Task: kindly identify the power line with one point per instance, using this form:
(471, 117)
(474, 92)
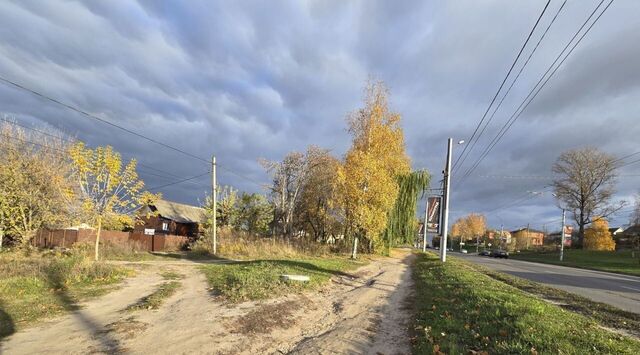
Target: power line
(179, 181)
(87, 114)
(535, 48)
(530, 98)
(502, 84)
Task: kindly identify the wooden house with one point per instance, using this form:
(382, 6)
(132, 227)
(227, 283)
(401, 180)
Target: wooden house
(171, 218)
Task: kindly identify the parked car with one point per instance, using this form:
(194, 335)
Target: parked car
(484, 253)
(499, 254)
(463, 251)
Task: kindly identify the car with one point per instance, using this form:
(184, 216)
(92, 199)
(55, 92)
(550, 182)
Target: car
(484, 253)
(463, 251)
(499, 254)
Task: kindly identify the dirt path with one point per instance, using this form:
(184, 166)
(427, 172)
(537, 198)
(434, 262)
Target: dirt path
(353, 315)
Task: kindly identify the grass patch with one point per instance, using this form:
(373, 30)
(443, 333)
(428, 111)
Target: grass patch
(171, 275)
(260, 279)
(612, 261)
(461, 310)
(157, 297)
(37, 286)
(607, 315)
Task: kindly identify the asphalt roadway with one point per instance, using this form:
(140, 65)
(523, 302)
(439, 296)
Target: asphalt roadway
(620, 291)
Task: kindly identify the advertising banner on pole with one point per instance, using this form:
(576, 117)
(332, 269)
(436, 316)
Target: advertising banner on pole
(566, 235)
(433, 214)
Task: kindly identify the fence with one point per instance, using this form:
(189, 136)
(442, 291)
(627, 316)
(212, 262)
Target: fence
(67, 237)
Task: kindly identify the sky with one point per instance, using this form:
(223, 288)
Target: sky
(250, 80)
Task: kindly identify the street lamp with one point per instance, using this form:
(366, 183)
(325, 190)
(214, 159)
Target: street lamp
(445, 210)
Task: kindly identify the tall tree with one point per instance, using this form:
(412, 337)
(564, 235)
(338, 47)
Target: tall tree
(598, 237)
(635, 215)
(288, 177)
(317, 215)
(35, 188)
(107, 188)
(402, 224)
(585, 184)
(368, 178)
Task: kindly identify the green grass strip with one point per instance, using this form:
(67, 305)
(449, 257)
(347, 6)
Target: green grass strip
(461, 310)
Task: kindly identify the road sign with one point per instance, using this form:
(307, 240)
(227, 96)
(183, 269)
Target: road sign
(566, 234)
(433, 214)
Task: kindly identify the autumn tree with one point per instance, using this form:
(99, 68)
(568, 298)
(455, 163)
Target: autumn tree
(367, 180)
(254, 213)
(635, 215)
(585, 185)
(316, 211)
(35, 190)
(598, 237)
(107, 187)
(469, 227)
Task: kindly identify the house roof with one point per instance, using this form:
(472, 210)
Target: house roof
(179, 212)
(531, 230)
(633, 230)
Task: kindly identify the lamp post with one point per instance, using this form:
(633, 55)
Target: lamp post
(445, 200)
(561, 231)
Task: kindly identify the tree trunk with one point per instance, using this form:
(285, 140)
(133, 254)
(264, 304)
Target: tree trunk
(355, 247)
(581, 229)
(98, 237)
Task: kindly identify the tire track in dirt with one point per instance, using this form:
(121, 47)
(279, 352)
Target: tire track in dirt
(361, 314)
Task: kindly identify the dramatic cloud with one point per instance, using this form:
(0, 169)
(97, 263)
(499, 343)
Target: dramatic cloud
(250, 79)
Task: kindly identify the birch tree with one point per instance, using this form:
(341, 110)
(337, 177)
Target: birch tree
(367, 180)
(107, 187)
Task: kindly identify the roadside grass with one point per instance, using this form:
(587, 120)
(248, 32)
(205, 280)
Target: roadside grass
(461, 310)
(607, 315)
(619, 261)
(157, 297)
(36, 285)
(260, 279)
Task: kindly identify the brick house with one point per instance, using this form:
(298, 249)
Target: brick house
(528, 237)
(171, 218)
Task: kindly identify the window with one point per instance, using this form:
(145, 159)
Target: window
(165, 226)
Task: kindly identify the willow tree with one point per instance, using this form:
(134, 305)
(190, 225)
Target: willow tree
(401, 221)
(367, 180)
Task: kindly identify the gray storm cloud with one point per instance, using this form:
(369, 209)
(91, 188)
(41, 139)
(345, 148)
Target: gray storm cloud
(249, 80)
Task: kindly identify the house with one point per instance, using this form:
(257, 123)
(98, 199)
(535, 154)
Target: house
(629, 238)
(526, 237)
(171, 218)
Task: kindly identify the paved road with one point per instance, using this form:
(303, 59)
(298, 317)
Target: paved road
(617, 290)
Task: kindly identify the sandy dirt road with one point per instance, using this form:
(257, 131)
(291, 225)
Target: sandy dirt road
(361, 313)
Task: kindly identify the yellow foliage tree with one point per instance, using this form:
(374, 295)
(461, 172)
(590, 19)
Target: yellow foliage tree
(470, 226)
(108, 190)
(367, 180)
(598, 237)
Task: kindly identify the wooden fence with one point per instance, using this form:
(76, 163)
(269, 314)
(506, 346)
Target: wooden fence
(65, 238)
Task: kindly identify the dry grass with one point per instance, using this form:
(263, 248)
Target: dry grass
(36, 285)
(242, 245)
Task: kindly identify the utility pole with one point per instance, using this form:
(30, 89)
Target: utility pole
(445, 214)
(503, 242)
(214, 196)
(424, 227)
(562, 236)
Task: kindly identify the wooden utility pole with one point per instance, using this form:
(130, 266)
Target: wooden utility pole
(214, 196)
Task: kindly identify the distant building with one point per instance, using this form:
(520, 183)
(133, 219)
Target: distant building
(526, 237)
(171, 218)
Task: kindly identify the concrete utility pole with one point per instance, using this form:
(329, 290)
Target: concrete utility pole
(445, 203)
(214, 196)
(562, 236)
(424, 227)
